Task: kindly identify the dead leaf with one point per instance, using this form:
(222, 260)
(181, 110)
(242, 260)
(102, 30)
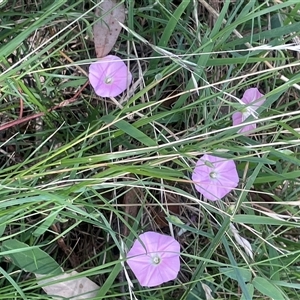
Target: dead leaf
(79, 288)
(107, 29)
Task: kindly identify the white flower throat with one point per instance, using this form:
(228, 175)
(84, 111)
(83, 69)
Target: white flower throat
(213, 175)
(156, 260)
(108, 80)
(248, 111)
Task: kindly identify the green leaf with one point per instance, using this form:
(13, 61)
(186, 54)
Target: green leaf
(174, 220)
(2, 2)
(48, 221)
(30, 259)
(2, 229)
(260, 220)
(170, 27)
(201, 291)
(214, 243)
(232, 273)
(13, 283)
(267, 288)
(236, 270)
(131, 131)
(109, 282)
(75, 83)
(276, 21)
(268, 34)
(250, 289)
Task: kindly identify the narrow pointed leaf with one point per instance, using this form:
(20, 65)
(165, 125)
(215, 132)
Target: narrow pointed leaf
(250, 290)
(267, 288)
(232, 273)
(30, 259)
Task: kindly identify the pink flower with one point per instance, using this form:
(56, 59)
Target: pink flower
(250, 98)
(215, 177)
(109, 76)
(154, 258)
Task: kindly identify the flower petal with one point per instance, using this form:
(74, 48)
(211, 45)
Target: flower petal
(155, 275)
(139, 258)
(251, 96)
(225, 181)
(225, 166)
(216, 190)
(237, 118)
(246, 130)
(113, 68)
(211, 192)
(166, 271)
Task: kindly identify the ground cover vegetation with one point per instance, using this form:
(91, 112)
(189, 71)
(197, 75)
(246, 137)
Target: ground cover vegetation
(162, 163)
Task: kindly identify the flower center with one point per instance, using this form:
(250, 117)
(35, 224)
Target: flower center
(155, 260)
(246, 113)
(249, 111)
(108, 80)
(213, 175)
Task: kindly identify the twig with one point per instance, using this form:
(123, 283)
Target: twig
(21, 108)
(71, 255)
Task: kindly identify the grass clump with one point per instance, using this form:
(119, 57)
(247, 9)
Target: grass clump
(81, 177)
